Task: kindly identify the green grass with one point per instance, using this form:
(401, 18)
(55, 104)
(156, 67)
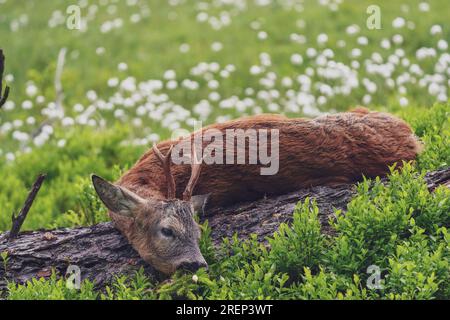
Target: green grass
(400, 226)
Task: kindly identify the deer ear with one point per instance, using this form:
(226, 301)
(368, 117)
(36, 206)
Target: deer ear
(199, 202)
(117, 199)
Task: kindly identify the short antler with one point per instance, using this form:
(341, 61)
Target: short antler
(165, 162)
(195, 174)
(2, 68)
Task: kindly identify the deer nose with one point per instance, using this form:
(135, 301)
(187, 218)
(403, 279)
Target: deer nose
(192, 266)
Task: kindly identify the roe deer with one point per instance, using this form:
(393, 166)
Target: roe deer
(329, 150)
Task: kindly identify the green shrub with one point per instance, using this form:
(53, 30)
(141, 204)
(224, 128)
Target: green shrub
(50, 289)
(299, 244)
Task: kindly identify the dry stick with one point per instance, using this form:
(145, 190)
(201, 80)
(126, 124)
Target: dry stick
(2, 68)
(18, 221)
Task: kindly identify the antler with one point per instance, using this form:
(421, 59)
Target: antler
(195, 174)
(165, 162)
(2, 68)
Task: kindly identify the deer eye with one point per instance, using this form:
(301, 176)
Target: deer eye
(167, 232)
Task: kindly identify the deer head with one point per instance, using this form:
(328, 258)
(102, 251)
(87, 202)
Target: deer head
(163, 232)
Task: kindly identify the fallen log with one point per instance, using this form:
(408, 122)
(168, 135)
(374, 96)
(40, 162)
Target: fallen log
(101, 252)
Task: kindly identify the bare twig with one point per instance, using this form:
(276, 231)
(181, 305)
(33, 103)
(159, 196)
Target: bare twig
(2, 68)
(18, 221)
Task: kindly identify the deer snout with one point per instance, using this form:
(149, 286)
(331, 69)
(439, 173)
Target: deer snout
(192, 266)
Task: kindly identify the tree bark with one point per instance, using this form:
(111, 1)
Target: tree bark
(101, 252)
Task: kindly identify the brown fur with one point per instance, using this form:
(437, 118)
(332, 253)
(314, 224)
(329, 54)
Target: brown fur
(328, 150)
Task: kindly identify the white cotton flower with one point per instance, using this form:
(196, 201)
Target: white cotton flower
(9, 105)
(322, 38)
(119, 113)
(297, 38)
(213, 67)
(286, 82)
(20, 136)
(47, 129)
(17, 123)
(309, 72)
(31, 90)
(135, 18)
(363, 41)
(129, 84)
(296, 59)
(230, 68)
(113, 82)
(224, 74)
(442, 97)
(40, 99)
(27, 105)
(184, 48)
(31, 120)
(367, 99)
(403, 101)
(249, 91)
(213, 84)
(262, 35)
(352, 29)
(255, 25)
(100, 51)
(434, 89)
(91, 95)
(122, 66)
(9, 78)
(171, 85)
(10, 156)
(356, 52)
(61, 143)
(255, 70)
(216, 46)
(423, 53)
(377, 58)
(214, 96)
(67, 122)
(321, 100)
(137, 122)
(169, 74)
(78, 108)
(202, 17)
(398, 22)
(385, 44)
(400, 53)
(442, 45)
(397, 39)
(273, 107)
(328, 53)
(311, 52)
(424, 6)
(435, 29)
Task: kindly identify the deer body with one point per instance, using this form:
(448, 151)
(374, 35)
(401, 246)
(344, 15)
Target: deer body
(328, 150)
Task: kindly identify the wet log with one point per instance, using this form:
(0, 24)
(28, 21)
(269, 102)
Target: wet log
(101, 252)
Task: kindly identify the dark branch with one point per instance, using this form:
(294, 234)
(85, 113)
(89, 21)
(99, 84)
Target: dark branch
(18, 221)
(5, 95)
